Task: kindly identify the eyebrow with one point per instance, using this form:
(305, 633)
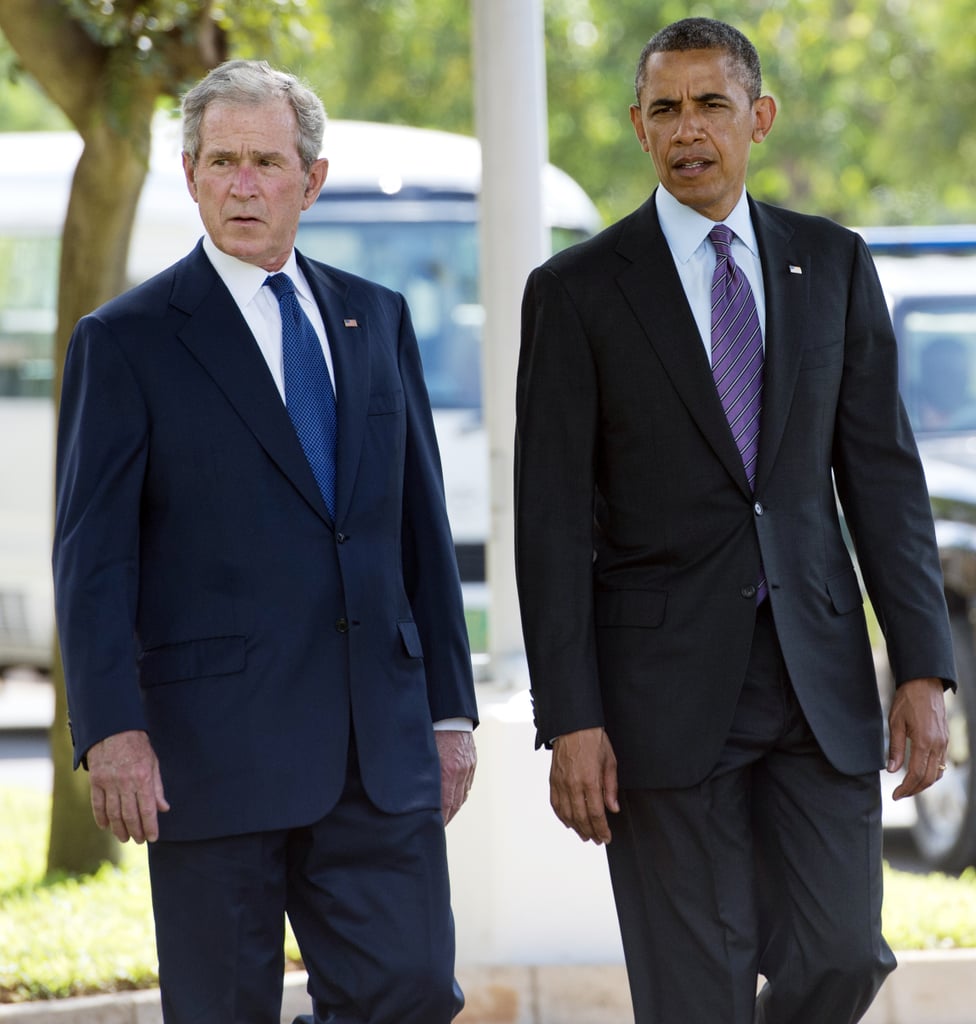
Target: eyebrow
(705, 97)
(234, 154)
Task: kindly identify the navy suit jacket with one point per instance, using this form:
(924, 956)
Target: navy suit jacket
(204, 593)
(638, 538)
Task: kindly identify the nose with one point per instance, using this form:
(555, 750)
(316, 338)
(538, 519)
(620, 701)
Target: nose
(688, 127)
(244, 182)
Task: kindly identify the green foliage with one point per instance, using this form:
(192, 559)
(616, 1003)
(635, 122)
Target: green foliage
(877, 98)
(930, 911)
(65, 936)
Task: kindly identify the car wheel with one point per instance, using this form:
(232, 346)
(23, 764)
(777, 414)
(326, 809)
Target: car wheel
(945, 832)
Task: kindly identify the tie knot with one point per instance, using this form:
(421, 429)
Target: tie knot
(721, 236)
(281, 285)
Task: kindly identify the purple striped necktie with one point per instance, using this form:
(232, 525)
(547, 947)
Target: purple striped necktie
(737, 355)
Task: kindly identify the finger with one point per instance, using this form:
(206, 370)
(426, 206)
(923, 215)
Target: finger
(131, 817)
(923, 770)
(115, 816)
(599, 828)
(148, 823)
(896, 748)
(611, 796)
(98, 807)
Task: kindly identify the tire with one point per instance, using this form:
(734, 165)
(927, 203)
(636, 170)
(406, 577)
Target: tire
(945, 832)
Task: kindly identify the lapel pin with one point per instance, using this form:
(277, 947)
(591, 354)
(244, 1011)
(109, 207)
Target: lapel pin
(350, 322)
(794, 269)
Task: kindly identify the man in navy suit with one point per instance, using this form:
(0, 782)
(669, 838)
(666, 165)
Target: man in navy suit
(268, 678)
(693, 622)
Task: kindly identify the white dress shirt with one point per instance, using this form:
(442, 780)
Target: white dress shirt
(686, 232)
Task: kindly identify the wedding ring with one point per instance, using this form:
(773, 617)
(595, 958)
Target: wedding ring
(942, 767)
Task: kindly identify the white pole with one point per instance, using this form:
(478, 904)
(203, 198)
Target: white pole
(510, 113)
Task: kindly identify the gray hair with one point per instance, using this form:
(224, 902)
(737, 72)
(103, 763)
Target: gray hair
(705, 34)
(254, 82)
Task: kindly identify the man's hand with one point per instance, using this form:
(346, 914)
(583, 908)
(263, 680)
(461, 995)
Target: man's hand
(918, 716)
(458, 761)
(583, 783)
(126, 787)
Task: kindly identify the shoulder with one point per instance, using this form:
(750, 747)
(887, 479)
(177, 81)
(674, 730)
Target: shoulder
(598, 254)
(190, 276)
(804, 226)
(346, 283)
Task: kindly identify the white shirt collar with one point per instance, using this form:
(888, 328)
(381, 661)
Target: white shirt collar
(245, 280)
(685, 229)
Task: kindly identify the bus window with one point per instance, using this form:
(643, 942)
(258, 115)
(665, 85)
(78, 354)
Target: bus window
(435, 267)
(28, 299)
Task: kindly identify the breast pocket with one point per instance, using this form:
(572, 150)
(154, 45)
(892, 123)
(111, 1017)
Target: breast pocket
(822, 355)
(384, 403)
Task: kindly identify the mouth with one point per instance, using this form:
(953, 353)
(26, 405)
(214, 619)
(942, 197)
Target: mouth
(690, 165)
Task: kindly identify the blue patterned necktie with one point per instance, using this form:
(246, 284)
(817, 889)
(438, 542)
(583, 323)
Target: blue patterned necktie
(309, 396)
(737, 355)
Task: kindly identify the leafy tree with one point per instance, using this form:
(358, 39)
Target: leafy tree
(104, 64)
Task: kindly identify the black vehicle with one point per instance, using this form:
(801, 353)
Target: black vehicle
(929, 275)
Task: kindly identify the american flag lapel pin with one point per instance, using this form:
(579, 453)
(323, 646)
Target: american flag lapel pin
(794, 269)
(350, 321)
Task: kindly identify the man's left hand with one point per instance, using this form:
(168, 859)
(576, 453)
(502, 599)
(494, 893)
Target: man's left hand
(918, 718)
(458, 760)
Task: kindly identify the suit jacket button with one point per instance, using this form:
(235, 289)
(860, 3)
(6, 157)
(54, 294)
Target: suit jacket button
(342, 625)
(758, 508)
(341, 538)
(748, 591)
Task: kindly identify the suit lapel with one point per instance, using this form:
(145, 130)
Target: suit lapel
(347, 326)
(787, 277)
(652, 288)
(219, 338)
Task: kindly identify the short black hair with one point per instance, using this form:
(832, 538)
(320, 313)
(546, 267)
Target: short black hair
(705, 34)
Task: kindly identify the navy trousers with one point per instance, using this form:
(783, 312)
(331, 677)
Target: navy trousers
(367, 895)
(771, 866)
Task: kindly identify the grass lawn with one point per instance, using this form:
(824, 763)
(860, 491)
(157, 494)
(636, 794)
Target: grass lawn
(68, 936)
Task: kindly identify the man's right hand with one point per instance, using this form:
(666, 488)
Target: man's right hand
(126, 786)
(583, 783)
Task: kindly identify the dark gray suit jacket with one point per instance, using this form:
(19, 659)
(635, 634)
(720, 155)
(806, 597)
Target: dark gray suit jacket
(638, 538)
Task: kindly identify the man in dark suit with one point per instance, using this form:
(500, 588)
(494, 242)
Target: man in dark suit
(263, 636)
(693, 623)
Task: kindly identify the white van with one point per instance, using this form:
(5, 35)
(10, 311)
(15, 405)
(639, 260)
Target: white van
(400, 206)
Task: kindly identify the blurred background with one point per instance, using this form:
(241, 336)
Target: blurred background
(876, 129)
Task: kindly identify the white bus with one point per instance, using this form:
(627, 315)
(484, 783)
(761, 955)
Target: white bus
(400, 206)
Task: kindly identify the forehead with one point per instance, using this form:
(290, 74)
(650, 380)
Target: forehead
(270, 126)
(677, 73)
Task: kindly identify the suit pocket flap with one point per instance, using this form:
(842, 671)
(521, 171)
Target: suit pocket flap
(410, 637)
(845, 592)
(635, 609)
(383, 402)
(193, 659)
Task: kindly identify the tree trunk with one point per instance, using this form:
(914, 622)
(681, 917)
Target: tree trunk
(75, 844)
(109, 92)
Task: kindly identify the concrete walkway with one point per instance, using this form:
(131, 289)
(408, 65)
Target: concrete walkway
(927, 988)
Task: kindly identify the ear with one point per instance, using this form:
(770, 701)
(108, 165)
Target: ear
(317, 174)
(190, 175)
(764, 113)
(638, 122)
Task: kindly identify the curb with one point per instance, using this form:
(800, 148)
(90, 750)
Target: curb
(928, 988)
